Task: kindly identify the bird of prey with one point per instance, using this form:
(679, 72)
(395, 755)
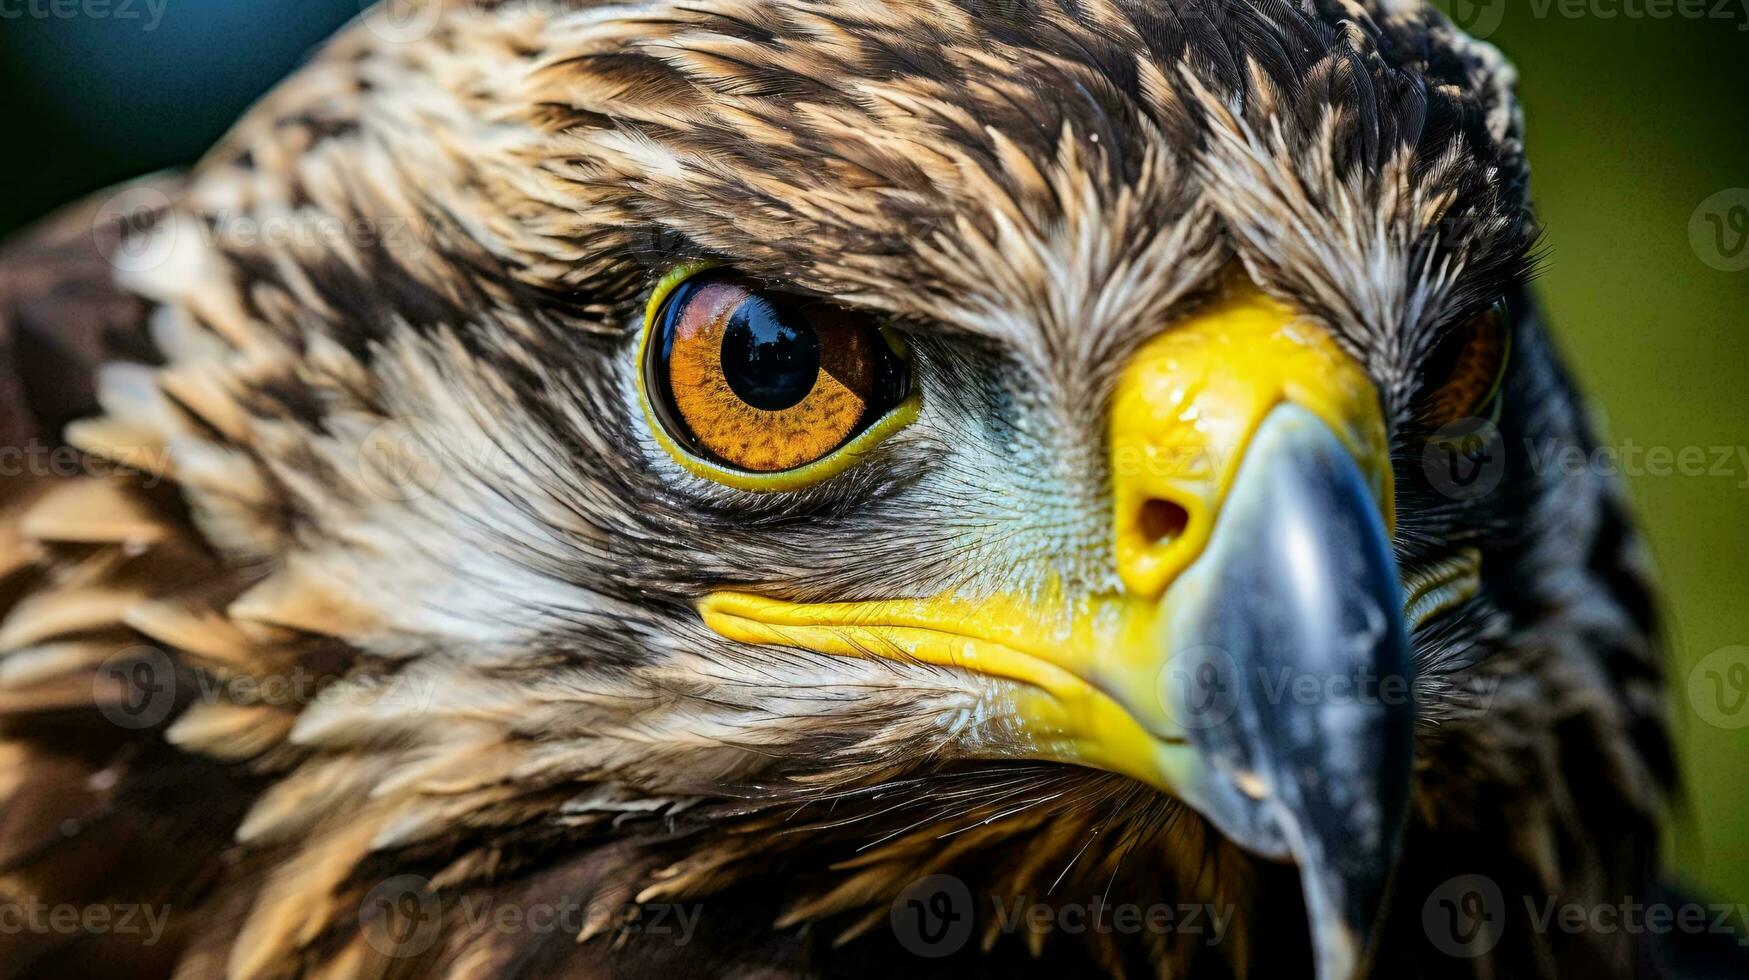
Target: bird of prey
(790, 488)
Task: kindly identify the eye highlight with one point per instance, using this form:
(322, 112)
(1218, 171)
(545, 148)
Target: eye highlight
(1463, 374)
(763, 390)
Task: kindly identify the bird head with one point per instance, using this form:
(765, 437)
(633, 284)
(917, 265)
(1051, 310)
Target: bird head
(870, 439)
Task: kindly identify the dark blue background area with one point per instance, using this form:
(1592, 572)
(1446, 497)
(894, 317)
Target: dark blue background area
(100, 97)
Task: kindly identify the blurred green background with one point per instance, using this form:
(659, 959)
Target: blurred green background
(1633, 122)
(1632, 126)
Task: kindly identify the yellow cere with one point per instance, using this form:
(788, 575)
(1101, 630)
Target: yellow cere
(1188, 404)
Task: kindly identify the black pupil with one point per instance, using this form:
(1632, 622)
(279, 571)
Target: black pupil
(771, 357)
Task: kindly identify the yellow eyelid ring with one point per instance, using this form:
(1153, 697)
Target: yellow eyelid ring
(857, 447)
(667, 284)
(801, 477)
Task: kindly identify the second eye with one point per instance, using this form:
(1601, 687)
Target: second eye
(762, 381)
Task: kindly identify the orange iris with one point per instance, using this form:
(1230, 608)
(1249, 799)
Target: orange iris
(1466, 369)
(761, 381)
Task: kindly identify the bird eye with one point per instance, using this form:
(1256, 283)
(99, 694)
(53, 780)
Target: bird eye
(752, 387)
(1462, 376)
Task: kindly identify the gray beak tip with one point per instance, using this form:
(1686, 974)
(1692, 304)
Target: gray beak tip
(1290, 628)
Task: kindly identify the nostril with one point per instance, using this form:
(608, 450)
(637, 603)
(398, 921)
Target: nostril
(1163, 520)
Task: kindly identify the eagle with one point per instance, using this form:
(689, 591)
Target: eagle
(823, 488)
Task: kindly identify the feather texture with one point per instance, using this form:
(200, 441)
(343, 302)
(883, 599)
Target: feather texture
(366, 567)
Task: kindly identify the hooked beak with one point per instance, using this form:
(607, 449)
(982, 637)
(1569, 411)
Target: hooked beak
(1291, 673)
(1256, 662)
